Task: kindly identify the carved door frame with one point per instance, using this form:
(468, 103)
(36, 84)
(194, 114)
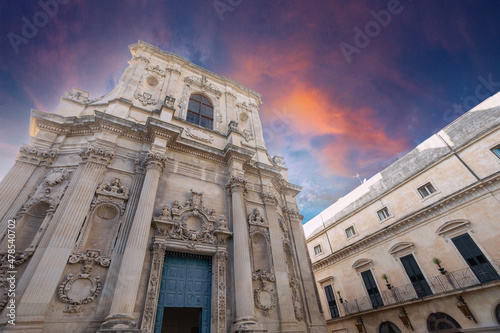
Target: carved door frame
(219, 287)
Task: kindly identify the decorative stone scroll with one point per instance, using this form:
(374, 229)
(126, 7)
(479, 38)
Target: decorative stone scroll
(77, 297)
(264, 296)
(113, 190)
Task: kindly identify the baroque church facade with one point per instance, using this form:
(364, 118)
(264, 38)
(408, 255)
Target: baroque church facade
(154, 208)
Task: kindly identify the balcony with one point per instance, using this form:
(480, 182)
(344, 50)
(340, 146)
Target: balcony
(451, 281)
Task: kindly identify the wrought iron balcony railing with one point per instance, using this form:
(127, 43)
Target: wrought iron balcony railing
(467, 277)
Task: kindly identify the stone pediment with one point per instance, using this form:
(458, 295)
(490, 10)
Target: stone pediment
(453, 228)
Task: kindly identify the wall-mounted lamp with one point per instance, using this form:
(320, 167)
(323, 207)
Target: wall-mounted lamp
(360, 325)
(404, 318)
(462, 305)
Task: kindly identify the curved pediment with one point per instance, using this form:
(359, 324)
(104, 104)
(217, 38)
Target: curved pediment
(401, 249)
(362, 264)
(453, 228)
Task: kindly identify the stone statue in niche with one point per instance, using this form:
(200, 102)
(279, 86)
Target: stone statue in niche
(256, 218)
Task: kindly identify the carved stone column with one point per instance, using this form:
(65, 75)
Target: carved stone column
(67, 221)
(287, 318)
(244, 315)
(21, 180)
(313, 313)
(122, 307)
(149, 316)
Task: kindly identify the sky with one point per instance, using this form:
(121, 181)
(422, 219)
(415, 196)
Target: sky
(348, 86)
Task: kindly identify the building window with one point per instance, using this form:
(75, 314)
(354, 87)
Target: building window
(350, 231)
(383, 214)
(200, 111)
(426, 190)
(496, 151)
(318, 250)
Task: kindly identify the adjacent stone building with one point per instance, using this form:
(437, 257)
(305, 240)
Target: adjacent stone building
(416, 247)
(154, 208)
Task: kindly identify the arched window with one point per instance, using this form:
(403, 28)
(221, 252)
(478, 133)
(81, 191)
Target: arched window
(388, 327)
(497, 313)
(200, 111)
(441, 322)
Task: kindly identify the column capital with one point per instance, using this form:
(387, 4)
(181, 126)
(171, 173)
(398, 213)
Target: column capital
(270, 199)
(97, 155)
(237, 183)
(292, 214)
(36, 155)
(155, 161)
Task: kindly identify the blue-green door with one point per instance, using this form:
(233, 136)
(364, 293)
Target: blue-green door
(185, 283)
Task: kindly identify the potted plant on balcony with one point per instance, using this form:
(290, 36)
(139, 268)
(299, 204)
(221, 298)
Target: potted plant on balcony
(437, 261)
(384, 276)
(341, 300)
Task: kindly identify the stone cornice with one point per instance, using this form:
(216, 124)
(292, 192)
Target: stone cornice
(444, 205)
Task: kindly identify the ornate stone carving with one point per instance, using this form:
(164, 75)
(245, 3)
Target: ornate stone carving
(247, 135)
(233, 126)
(156, 70)
(36, 155)
(97, 155)
(278, 161)
(264, 297)
(256, 219)
(148, 317)
(145, 98)
(169, 101)
(203, 84)
(269, 198)
(115, 190)
(77, 96)
(297, 304)
(292, 214)
(174, 223)
(50, 190)
(155, 160)
(283, 226)
(237, 183)
(140, 58)
(89, 259)
(199, 134)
